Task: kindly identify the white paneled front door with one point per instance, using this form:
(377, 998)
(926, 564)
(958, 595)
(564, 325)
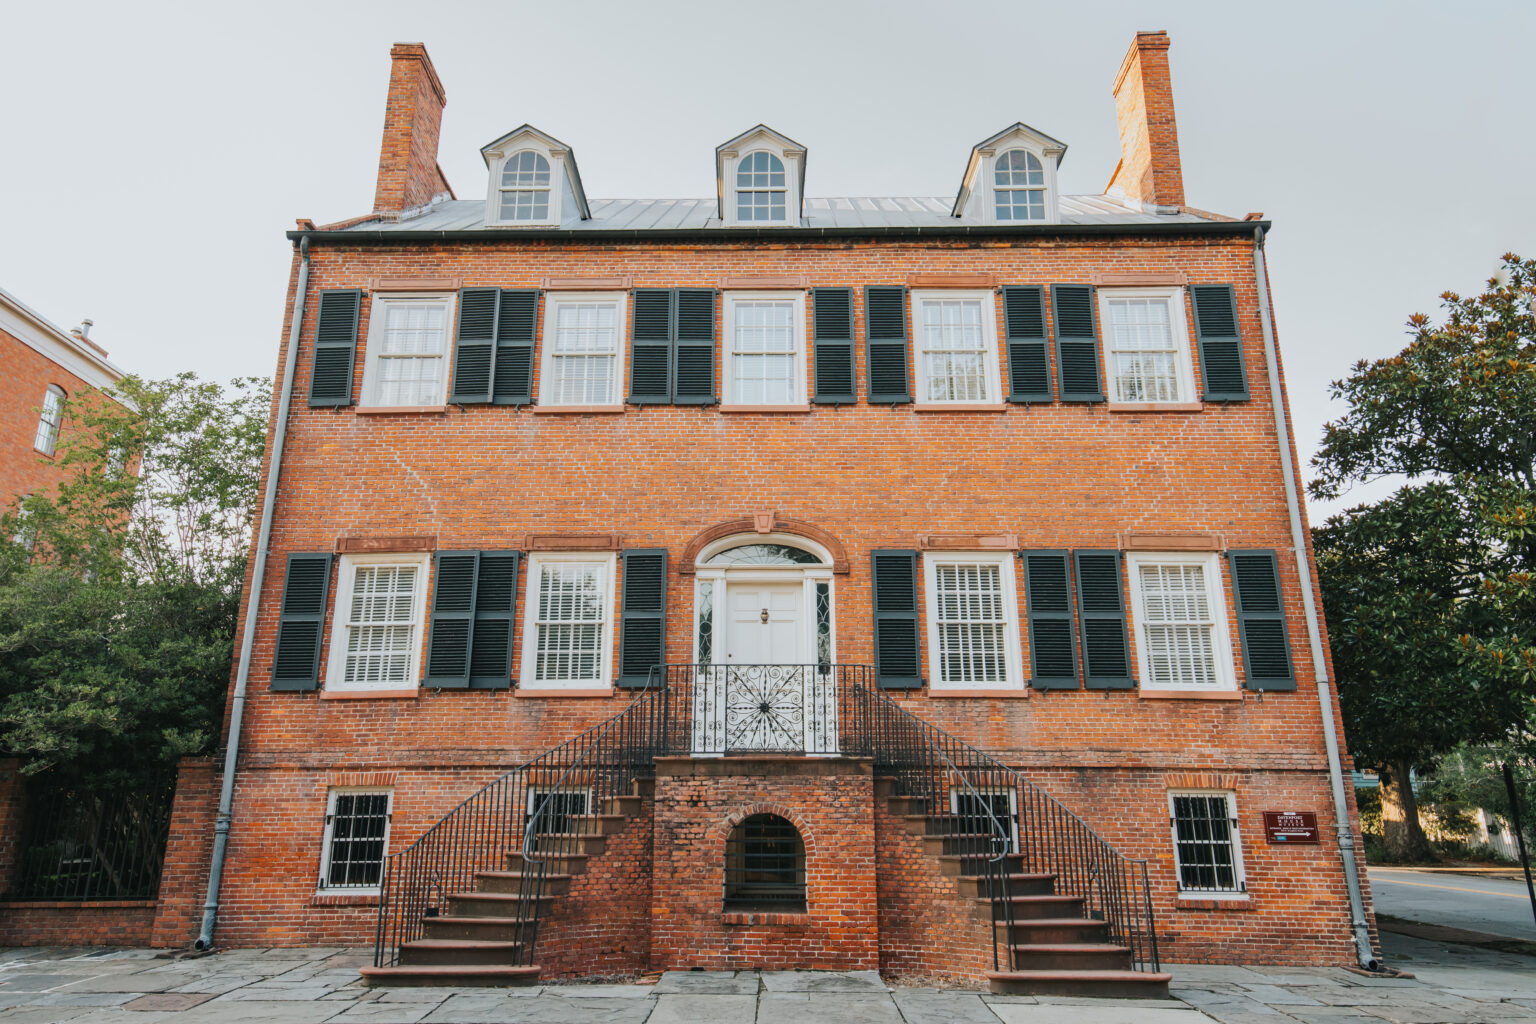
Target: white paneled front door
(765, 623)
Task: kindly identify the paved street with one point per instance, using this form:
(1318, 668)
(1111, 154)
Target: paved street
(1497, 906)
(1454, 985)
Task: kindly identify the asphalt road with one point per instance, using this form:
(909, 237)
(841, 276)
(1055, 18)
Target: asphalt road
(1497, 906)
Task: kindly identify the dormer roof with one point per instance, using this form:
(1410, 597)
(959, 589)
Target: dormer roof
(758, 137)
(1017, 132)
(558, 150)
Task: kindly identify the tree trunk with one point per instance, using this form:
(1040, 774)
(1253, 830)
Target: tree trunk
(1403, 836)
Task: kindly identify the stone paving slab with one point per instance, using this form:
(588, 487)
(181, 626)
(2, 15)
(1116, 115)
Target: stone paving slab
(827, 1008)
(1106, 1012)
(679, 1008)
(942, 1006)
(717, 982)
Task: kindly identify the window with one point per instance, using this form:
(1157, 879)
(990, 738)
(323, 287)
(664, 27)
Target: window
(1205, 842)
(408, 350)
(376, 641)
(760, 187)
(583, 349)
(356, 839)
(765, 866)
(525, 187)
(765, 363)
(1019, 186)
(982, 806)
(555, 808)
(566, 626)
(48, 423)
(1147, 345)
(1181, 622)
(956, 338)
(973, 621)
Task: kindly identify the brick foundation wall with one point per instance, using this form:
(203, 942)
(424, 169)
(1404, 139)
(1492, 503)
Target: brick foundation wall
(188, 850)
(107, 923)
(12, 807)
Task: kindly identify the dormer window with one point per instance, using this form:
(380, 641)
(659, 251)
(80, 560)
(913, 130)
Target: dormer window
(525, 187)
(1011, 179)
(532, 181)
(760, 179)
(760, 188)
(1019, 186)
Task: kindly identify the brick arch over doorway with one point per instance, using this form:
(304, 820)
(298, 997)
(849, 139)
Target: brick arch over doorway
(764, 523)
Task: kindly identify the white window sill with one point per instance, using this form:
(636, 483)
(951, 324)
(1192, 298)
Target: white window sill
(1214, 901)
(960, 407)
(340, 897)
(1008, 693)
(766, 408)
(1190, 694)
(575, 410)
(401, 694)
(400, 410)
(567, 691)
(1156, 406)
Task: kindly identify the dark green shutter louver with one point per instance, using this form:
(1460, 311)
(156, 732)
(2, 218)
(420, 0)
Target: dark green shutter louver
(1261, 621)
(1221, 346)
(643, 615)
(1077, 343)
(898, 659)
(453, 619)
(330, 379)
(832, 320)
(490, 650)
(694, 360)
(516, 328)
(1101, 616)
(885, 344)
(301, 623)
(474, 350)
(650, 353)
(1029, 367)
(1052, 640)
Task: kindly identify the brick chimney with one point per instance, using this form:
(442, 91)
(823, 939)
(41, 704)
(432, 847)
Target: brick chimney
(1149, 170)
(408, 171)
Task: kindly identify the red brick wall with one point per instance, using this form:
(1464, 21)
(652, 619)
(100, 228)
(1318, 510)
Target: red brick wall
(1149, 170)
(188, 849)
(12, 806)
(24, 469)
(113, 923)
(413, 113)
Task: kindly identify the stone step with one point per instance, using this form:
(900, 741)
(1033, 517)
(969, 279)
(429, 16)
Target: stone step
(629, 806)
(1036, 907)
(1100, 984)
(512, 882)
(452, 975)
(566, 844)
(1071, 956)
(956, 865)
(459, 952)
(564, 864)
(1050, 930)
(1018, 883)
(973, 843)
(489, 904)
(484, 929)
(644, 787)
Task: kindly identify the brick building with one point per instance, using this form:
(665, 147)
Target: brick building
(765, 580)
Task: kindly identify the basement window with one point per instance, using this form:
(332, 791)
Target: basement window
(1206, 847)
(765, 866)
(356, 839)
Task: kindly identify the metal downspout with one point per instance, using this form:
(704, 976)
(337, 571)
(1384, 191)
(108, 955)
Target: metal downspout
(253, 605)
(1346, 836)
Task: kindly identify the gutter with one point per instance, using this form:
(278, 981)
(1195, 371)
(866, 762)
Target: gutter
(1362, 935)
(252, 607)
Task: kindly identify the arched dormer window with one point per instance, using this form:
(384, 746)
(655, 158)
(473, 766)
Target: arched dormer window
(525, 187)
(1019, 186)
(47, 439)
(765, 866)
(760, 188)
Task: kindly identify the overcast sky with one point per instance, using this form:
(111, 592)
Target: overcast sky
(154, 153)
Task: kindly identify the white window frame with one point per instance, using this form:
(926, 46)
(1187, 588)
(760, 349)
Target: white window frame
(1013, 655)
(1178, 329)
(325, 843)
(556, 188)
(552, 301)
(1012, 793)
(737, 191)
(1216, 593)
(46, 440)
(530, 640)
(346, 579)
(371, 356)
(730, 162)
(1239, 875)
(1044, 188)
(991, 371)
(985, 190)
(728, 347)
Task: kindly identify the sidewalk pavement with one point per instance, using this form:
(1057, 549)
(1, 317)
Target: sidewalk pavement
(1454, 985)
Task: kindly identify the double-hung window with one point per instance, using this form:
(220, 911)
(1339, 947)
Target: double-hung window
(956, 337)
(1206, 846)
(376, 639)
(566, 628)
(48, 423)
(407, 360)
(765, 351)
(1019, 186)
(524, 192)
(973, 621)
(1180, 612)
(1147, 345)
(583, 360)
(356, 839)
(761, 186)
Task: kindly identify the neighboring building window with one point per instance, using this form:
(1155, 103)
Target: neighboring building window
(356, 839)
(1205, 842)
(376, 640)
(760, 187)
(765, 363)
(408, 350)
(48, 423)
(956, 337)
(1181, 619)
(1019, 186)
(765, 866)
(583, 349)
(566, 629)
(973, 623)
(1148, 347)
(26, 530)
(525, 187)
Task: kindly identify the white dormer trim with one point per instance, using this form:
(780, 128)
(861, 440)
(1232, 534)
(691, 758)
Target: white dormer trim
(567, 200)
(729, 156)
(977, 201)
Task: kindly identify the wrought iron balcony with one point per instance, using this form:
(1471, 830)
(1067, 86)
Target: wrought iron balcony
(764, 709)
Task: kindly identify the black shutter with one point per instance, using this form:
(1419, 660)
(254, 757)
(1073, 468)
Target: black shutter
(832, 317)
(1077, 343)
(516, 327)
(301, 622)
(1052, 640)
(885, 340)
(898, 662)
(1101, 612)
(693, 361)
(1261, 621)
(330, 379)
(490, 649)
(643, 619)
(1029, 368)
(1221, 347)
(453, 619)
(650, 349)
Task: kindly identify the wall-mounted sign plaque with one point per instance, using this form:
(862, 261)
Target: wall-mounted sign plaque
(1290, 827)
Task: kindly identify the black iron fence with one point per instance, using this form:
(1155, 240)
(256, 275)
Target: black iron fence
(79, 843)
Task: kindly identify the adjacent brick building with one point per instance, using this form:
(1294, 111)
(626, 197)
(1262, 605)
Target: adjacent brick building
(1017, 452)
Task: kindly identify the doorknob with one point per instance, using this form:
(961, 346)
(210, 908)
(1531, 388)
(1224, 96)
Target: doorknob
(765, 615)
